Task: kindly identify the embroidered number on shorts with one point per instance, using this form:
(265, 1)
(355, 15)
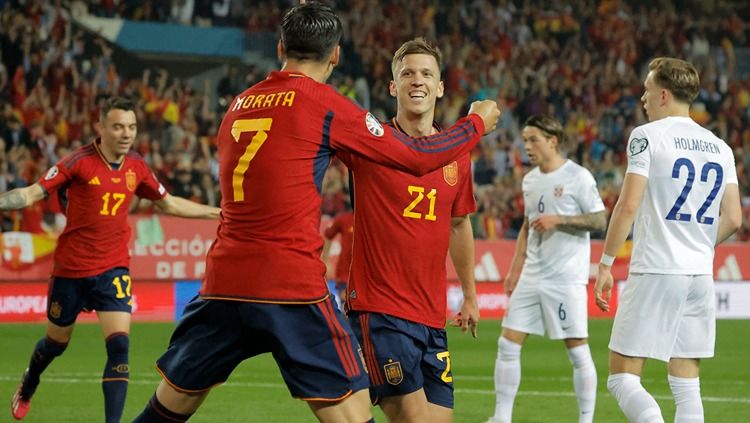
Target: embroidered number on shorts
(561, 312)
(445, 357)
(118, 285)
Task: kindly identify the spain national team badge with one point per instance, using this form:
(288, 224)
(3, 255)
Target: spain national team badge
(393, 373)
(55, 310)
(450, 173)
(559, 190)
(130, 180)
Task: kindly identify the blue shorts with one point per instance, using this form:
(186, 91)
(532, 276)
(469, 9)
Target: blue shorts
(312, 344)
(108, 291)
(403, 356)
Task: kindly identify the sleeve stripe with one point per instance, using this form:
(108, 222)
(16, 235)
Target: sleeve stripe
(455, 137)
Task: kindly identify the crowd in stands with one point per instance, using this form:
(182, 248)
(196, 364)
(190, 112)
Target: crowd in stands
(582, 61)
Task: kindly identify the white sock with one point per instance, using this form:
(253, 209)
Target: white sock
(637, 404)
(584, 381)
(507, 378)
(687, 397)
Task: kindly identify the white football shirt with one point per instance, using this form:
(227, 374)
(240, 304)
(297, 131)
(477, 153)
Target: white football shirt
(688, 168)
(559, 256)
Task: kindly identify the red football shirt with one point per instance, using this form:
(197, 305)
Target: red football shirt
(401, 243)
(275, 143)
(96, 234)
(342, 224)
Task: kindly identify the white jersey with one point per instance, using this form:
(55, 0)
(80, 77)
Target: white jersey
(688, 169)
(559, 256)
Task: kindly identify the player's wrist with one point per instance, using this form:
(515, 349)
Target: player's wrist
(607, 260)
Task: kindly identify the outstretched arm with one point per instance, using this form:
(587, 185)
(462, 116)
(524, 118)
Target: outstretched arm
(20, 198)
(181, 207)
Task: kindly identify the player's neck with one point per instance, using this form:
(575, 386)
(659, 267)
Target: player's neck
(110, 156)
(676, 110)
(552, 164)
(315, 70)
(416, 125)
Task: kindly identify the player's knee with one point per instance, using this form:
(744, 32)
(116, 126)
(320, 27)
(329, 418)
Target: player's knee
(621, 382)
(49, 348)
(580, 356)
(508, 350)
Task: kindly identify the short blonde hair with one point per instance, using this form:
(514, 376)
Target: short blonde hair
(416, 46)
(678, 76)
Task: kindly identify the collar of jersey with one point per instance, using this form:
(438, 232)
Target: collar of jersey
(104, 159)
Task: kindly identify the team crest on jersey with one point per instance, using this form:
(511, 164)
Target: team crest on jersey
(559, 189)
(55, 310)
(393, 373)
(51, 173)
(450, 173)
(373, 125)
(637, 146)
(130, 180)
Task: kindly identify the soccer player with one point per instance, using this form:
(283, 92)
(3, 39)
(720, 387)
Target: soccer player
(264, 289)
(405, 227)
(343, 225)
(681, 196)
(550, 268)
(90, 272)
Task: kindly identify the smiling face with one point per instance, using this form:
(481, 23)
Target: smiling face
(117, 131)
(416, 84)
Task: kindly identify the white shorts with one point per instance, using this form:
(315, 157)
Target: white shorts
(665, 316)
(560, 309)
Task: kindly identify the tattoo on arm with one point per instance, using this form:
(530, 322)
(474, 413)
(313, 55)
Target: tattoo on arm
(12, 200)
(584, 222)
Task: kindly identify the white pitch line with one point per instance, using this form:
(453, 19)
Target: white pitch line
(736, 400)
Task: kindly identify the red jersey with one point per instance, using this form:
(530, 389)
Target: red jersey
(403, 231)
(342, 224)
(275, 143)
(96, 234)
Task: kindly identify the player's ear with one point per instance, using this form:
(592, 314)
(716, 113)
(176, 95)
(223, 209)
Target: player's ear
(335, 56)
(392, 88)
(280, 53)
(99, 126)
(440, 90)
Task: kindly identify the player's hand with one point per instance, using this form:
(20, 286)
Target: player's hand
(603, 287)
(488, 111)
(510, 282)
(545, 222)
(468, 317)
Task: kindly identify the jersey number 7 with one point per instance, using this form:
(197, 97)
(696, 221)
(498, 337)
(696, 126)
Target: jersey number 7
(240, 126)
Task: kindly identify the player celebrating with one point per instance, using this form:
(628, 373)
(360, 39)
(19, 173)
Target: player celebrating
(91, 258)
(549, 272)
(275, 143)
(397, 291)
(681, 196)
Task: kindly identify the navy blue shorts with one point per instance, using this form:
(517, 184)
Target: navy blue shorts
(404, 356)
(312, 344)
(108, 291)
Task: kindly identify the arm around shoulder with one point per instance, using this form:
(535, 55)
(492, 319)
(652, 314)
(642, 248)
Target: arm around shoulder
(20, 198)
(177, 206)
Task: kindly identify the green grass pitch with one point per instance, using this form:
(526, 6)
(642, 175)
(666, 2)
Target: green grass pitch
(71, 392)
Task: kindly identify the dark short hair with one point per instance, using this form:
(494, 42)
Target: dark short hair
(119, 103)
(678, 76)
(549, 126)
(416, 46)
(310, 31)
